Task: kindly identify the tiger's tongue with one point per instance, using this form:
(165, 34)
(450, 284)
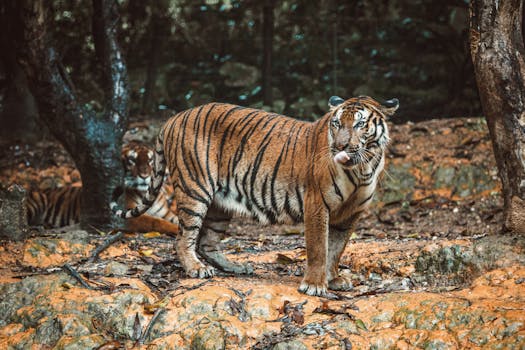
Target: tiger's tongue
(341, 157)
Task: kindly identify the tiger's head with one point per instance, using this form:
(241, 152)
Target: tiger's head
(357, 128)
(137, 159)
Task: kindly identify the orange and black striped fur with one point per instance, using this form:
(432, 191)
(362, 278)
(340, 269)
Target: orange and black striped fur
(137, 160)
(226, 160)
(61, 207)
(54, 207)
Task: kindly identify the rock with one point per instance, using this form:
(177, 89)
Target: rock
(15, 296)
(46, 252)
(398, 186)
(51, 314)
(459, 264)
(239, 74)
(444, 177)
(13, 214)
(83, 342)
(471, 179)
(118, 310)
(210, 337)
(48, 331)
(117, 269)
(290, 345)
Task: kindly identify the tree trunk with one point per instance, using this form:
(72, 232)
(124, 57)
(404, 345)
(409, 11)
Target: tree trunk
(158, 22)
(268, 22)
(19, 107)
(13, 214)
(497, 50)
(92, 139)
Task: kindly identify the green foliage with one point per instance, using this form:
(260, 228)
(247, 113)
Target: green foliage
(211, 50)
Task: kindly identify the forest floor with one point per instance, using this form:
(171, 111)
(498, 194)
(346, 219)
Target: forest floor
(429, 265)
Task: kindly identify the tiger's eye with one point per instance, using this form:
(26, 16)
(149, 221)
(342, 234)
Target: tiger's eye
(336, 123)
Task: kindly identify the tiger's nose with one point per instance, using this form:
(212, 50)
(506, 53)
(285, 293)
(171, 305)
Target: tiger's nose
(341, 146)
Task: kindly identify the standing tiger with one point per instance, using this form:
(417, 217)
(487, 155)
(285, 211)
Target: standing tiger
(61, 206)
(226, 159)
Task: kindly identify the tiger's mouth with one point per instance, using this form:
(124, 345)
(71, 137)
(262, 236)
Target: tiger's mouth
(347, 159)
(138, 183)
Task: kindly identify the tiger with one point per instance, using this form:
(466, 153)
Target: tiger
(227, 160)
(61, 206)
(137, 160)
(55, 207)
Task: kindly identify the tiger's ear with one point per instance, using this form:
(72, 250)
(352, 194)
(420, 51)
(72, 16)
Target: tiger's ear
(390, 107)
(334, 101)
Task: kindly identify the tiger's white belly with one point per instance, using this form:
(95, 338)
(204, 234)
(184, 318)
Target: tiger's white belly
(239, 204)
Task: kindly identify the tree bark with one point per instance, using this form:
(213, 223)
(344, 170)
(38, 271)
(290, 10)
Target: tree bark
(19, 107)
(13, 214)
(268, 23)
(497, 51)
(92, 139)
(158, 22)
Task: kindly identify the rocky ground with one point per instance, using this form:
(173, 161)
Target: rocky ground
(429, 266)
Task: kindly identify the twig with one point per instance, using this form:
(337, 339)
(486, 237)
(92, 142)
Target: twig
(109, 241)
(146, 333)
(196, 286)
(69, 269)
(332, 312)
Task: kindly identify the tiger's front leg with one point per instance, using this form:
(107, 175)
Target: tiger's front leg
(316, 237)
(337, 240)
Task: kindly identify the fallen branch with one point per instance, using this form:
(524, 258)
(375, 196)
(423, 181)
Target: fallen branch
(146, 333)
(107, 242)
(70, 270)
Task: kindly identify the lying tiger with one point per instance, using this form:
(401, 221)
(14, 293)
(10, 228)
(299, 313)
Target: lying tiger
(61, 207)
(226, 159)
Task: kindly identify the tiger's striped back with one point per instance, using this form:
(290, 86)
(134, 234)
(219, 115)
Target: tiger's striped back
(61, 206)
(54, 207)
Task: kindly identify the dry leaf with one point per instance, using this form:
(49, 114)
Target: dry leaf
(283, 259)
(300, 256)
(152, 234)
(292, 231)
(150, 308)
(67, 285)
(360, 324)
(298, 316)
(146, 252)
(112, 345)
(137, 327)
(412, 235)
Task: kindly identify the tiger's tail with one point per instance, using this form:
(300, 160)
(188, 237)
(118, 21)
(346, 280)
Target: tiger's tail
(159, 171)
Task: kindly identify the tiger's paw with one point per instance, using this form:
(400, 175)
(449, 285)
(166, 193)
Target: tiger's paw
(341, 283)
(313, 289)
(201, 272)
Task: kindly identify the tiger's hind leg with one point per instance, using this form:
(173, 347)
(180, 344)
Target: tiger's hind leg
(191, 215)
(212, 232)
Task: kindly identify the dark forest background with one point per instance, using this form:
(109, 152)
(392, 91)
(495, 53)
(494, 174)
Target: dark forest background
(182, 53)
